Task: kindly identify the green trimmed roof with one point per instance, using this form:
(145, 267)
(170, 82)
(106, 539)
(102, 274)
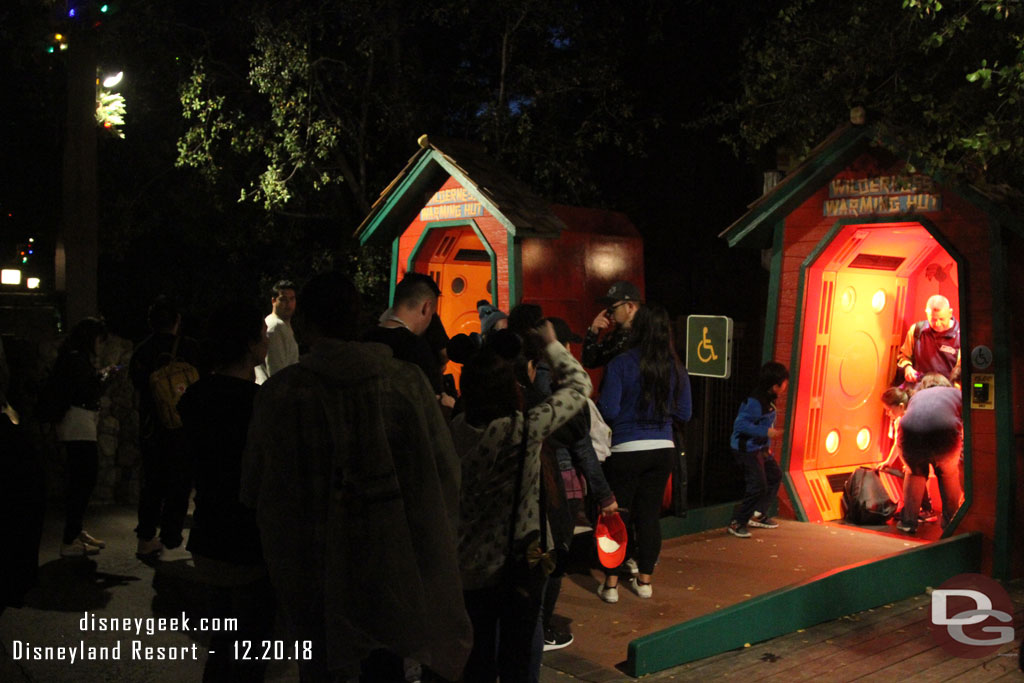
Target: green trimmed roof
(509, 200)
(755, 228)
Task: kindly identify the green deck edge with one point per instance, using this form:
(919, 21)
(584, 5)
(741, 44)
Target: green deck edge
(698, 520)
(824, 597)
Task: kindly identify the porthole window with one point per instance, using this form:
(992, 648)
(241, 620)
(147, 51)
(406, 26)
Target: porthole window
(848, 299)
(832, 442)
(878, 301)
(458, 285)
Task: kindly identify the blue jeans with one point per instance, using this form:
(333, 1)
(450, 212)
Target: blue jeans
(947, 470)
(761, 477)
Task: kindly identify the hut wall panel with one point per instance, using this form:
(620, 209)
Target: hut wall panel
(497, 236)
(1013, 348)
(965, 228)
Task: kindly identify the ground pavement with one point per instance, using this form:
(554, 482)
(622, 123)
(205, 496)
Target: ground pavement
(888, 643)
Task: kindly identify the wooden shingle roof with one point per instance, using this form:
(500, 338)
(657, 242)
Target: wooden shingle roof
(510, 200)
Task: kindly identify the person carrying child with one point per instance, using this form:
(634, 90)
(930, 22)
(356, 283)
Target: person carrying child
(752, 432)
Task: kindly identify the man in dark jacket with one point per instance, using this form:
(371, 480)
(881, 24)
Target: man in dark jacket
(355, 481)
(621, 304)
(403, 327)
(932, 345)
(166, 474)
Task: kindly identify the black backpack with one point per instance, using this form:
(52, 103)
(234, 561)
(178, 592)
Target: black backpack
(865, 498)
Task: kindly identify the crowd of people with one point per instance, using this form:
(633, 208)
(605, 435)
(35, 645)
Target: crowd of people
(353, 495)
(354, 498)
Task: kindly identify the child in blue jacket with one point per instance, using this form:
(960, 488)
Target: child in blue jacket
(752, 432)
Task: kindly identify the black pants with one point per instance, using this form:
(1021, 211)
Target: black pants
(761, 477)
(638, 479)
(253, 606)
(503, 634)
(82, 467)
(166, 487)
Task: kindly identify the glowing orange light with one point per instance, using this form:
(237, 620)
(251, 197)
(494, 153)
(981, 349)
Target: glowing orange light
(878, 301)
(864, 438)
(832, 441)
(848, 299)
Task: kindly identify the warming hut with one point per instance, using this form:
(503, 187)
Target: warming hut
(456, 215)
(859, 241)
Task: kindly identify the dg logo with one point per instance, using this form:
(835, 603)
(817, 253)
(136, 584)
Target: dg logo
(971, 616)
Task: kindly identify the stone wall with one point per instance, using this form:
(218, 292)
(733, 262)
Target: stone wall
(118, 439)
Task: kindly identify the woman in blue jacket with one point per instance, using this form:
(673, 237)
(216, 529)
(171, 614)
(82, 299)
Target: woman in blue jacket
(752, 432)
(644, 390)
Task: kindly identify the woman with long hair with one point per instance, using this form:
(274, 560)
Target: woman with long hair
(645, 389)
(499, 442)
(75, 370)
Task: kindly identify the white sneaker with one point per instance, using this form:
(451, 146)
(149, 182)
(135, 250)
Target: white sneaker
(89, 539)
(175, 554)
(738, 530)
(609, 594)
(150, 548)
(759, 521)
(77, 549)
(632, 566)
(644, 590)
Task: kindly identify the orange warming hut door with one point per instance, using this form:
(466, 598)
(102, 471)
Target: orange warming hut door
(462, 270)
(461, 266)
(862, 293)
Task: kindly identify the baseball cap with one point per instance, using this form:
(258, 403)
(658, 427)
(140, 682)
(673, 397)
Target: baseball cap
(563, 332)
(621, 291)
(610, 535)
(489, 316)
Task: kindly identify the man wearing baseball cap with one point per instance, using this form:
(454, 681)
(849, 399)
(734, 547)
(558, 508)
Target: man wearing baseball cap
(621, 304)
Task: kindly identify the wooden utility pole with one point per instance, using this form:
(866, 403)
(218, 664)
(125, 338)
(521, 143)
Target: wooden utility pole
(77, 252)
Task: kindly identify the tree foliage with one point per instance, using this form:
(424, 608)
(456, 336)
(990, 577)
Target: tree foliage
(335, 93)
(946, 77)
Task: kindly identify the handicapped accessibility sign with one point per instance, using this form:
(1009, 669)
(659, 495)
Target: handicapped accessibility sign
(709, 345)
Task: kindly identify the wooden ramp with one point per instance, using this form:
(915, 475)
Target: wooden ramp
(714, 592)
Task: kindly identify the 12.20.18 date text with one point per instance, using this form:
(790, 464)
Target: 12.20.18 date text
(273, 650)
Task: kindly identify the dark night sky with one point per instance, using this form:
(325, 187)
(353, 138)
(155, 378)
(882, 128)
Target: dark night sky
(681, 194)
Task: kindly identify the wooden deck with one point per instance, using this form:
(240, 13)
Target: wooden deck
(889, 643)
(711, 573)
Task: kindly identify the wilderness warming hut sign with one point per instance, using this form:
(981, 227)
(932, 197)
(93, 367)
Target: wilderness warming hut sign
(887, 195)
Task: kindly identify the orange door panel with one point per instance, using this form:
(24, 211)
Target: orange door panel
(462, 285)
(859, 333)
